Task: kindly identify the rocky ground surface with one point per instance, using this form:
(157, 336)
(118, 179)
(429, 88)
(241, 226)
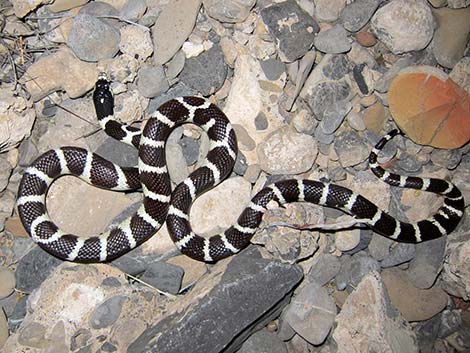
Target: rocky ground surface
(305, 85)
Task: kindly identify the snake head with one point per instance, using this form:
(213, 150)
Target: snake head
(102, 97)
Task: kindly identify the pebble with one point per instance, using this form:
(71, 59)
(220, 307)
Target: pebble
(133, 10)
(228, 11)
(357, 14)
(152, 81)
(287, 152)
(400, 253)
(325, 94)
(172, 28)
(347, 240)
(292, 27)
(449, 159)
(451, 37)
(403, 25)
(312, 313)
(92, 39)
(273, 69)
(334, 40)
(64, 5)
(324, 269)
(164, 276)
(351, 149)
(206, 72)
(7, 282)
(108, 312)
(334, 116)
(360, 266)
(366, 39)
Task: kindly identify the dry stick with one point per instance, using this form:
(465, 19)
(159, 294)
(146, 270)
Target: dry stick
(169, 295)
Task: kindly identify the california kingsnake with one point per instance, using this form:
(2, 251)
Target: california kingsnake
(161, 204)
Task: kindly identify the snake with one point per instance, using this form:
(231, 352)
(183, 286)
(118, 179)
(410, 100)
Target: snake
(162, 204)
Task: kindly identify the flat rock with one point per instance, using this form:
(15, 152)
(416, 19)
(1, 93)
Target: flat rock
(152, 81)
(451, 37)
(414, 304)
(334, 40)
(356, 14)
(329, 10)
(455, 277)
(7, 282)
(292, 27)
(369, 322)
(311, 313)
(166, 277)
(60, 70)
(92, 39)
(220, 207)
(228, 10)
(238, 294)
(263, 341)
(351, 149)
(23, 7)
(172, 28)
(286, 151)
(404, 25)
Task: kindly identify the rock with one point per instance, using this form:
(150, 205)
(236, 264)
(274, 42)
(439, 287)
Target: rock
(3, 328)
(34, 268)
(136, 42)
(400, 253)
(292, 27)
(133, 10)
(347, 240)
(16, 122)
(427, 263)
(334, 116)
(107, 312)
(351, 149)
(220, 207)
(92, 39)
(178, 90)
(229, 11)
(414, 304)
(325, 94)
(152, 81)
(334, 40)
(287, 152)
(193, 270)
(375, 117)
(366, 39)
(7, 282)
(360, 266)
(455, 278)
(449, 159)
(263, 341)
(75, 297)
(312, 313)
(451, 37)
(460, 74)
(324, 269)
(23, 7)
(64, 5)
(5, 171)
(173, 26)
(246, 291)
(117, 152)
(273, 69)
(369, 322)
(456, 4)
(206, 72)
(60, 71)
(327, 10)
(356, 14)
(404, 26)
(165, 277)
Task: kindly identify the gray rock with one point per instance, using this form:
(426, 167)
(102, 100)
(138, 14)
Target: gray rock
(108, 347)
(325, 94)
(356, 14)
(108, 312)
(178, 90)
(263, 342)
(163, 276)
(351, 148)
(190, 149)
(206, 72)
(400, 253)
(404, 25)
(379, 247)
(247, 293)
(334, 116)
(118, 152)
(426, 265)
(337, 67)
(325, 269)
(92, 39)
(451, 321)
(231, 11)
(312, 313)
(132, 263)
(152, 81)
(343, 278)
(18, 314)
(361, 265)
(408, 163)
(426, 333)
(34, 268)
(241, 164)
(33, 335)
(292, 27)
(272, 68)
(324, 139)
(449, 159)
(133, 10)
(334, 40)
(261, 122)
(366, 237)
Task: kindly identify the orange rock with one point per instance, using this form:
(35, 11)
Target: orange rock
(366, 39)
(430, 111)
(14, 226)
(375, 117)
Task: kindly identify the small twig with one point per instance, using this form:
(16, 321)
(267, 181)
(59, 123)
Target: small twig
(126, 21)
(169, 295)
